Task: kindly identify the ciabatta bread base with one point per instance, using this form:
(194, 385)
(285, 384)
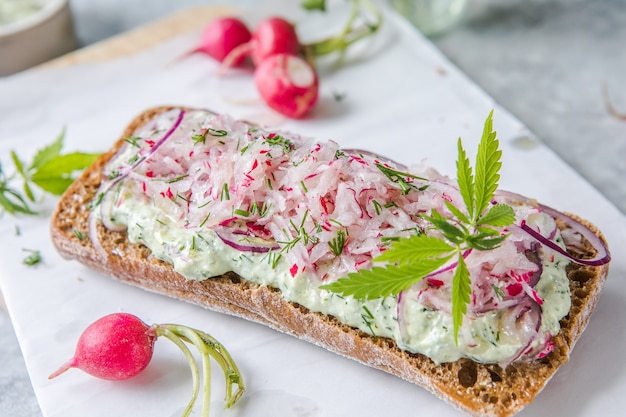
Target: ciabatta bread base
(477, 389)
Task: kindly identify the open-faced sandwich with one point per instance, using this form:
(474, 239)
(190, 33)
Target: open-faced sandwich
(476, 294)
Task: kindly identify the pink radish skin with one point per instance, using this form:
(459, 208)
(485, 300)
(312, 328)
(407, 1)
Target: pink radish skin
(287, 84)
(272, 36)
(221, 37)
(115, 347)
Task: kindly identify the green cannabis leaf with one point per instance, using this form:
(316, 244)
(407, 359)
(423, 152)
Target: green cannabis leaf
(49, 170)
(414, 249)
(367, 283)
(477, 226)
(461, 290)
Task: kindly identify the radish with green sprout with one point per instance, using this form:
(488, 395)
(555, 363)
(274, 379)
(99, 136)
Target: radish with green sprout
(119, 346)
(284, 72)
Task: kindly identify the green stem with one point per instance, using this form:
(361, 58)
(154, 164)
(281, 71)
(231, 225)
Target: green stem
(191, 335)
(228, 365)
(350, 34)
(160, 330)
(209, 346)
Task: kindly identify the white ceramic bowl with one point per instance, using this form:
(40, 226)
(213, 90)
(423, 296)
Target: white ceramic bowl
(36, 38)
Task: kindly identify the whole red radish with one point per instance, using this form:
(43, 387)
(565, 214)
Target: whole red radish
(288, 84)
(115, 347)
(271, 36)
(119, 346)
(221, 37)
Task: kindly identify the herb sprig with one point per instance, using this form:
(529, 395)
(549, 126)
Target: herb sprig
(49, 170)
(364, 20)
(477, 226)
(33, 258)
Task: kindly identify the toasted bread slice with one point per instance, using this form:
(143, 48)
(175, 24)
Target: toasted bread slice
(478, 389)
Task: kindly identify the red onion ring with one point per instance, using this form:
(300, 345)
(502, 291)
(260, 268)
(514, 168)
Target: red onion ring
(603, 257)
(245, 242)
(533, 314)
(93, 236)
(533, 256)
(152, 150)
(105, 211)
(400, 316)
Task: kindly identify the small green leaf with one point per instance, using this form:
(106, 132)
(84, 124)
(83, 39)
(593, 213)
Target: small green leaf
(54, 185)
(199, 139)
(465, 179)
(55, 176)
(461, 290)
(382, 282)
(49, 170)
(6, 204)
(64, 164)
(450, 231)
(19, 166)
(414, 249)
(488, 231)
(499, 215)
(487, 167)
(484, 241)
(29, 192)
(48, 153)
(12, 202)
(33, 258)
(457, 213)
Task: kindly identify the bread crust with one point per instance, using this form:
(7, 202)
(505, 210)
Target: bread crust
(477, 389)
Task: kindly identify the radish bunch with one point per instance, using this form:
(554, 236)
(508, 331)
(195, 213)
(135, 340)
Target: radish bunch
(291, 90)
(119, 346)
(285, 80)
